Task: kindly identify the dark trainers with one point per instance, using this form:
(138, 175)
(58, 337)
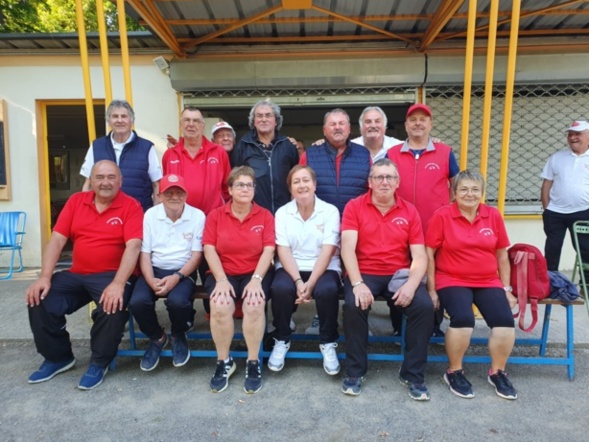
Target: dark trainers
(502, 385)
(93, 377)
(222, 374)
(48, 370)
(458, 384)
(352, 385)
(253, 377)
(151, 357)
(180, 352)
(417, 392)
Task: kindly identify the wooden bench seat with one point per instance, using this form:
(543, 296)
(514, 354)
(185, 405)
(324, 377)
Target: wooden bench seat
(396, 353)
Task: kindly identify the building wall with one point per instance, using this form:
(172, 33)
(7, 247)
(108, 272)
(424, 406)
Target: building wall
(26, 79)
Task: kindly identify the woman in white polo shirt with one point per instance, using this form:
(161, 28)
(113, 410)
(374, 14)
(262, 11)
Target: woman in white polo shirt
(307, 242)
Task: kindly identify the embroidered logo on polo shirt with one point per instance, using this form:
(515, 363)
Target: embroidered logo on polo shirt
(432, 166)
(320, 227)
(400, 221)
(257, 229)
(187, 236)
(213, 160)
(486, 231)
(114, 221)
(174, 161)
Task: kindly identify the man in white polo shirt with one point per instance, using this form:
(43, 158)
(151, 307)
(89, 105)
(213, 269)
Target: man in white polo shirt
(170, 253)
(565, 193)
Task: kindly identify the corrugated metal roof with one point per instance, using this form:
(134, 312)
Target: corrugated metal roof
(234, 27)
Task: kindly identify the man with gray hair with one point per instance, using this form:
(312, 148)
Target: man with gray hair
(269, 153)
(373, 125)
(135, 156)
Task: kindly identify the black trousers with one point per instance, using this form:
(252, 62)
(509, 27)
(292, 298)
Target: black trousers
(420, 323)
(68, 293)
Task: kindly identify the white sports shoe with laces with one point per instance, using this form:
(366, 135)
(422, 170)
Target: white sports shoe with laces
(330, 360)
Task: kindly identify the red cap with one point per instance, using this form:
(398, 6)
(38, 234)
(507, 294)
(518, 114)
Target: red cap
(421, 107)
(172, 181)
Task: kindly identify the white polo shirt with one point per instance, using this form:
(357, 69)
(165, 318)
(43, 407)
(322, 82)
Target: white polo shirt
(570, 175)
(387, 143)
(305, 238)
(171, 243)
(154, 170)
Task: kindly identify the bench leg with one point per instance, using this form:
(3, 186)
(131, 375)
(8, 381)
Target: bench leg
(545, 327)
(570, 342)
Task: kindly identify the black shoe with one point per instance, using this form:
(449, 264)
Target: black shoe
(458, 384)
(223, 372)
(253, 377)
(502, 385)
(180, 352)
(352, 385)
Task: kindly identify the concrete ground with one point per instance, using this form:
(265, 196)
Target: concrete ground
(301, 403)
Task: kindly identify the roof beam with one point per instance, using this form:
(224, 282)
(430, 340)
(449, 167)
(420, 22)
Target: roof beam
(237, 25)
(442, 16)
(363, 24)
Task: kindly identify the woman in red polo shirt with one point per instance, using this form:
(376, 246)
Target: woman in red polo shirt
(238, 245)
(467, 250)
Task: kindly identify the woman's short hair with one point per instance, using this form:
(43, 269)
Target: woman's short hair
(238, 171)
(298, 167)
(275, 111)
(469, 175)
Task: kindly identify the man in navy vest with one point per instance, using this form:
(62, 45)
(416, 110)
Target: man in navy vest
(135, 156)
(341, 166)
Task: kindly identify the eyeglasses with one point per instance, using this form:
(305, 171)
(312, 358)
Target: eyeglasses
(268, 116)
(249, 186)
(463, 191)
(381, 178)
(192, 120)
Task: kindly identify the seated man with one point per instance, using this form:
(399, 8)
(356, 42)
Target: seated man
(381, 234)
(170, 253)
(105, 226)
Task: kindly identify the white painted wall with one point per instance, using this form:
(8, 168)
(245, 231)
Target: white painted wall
(26, 79)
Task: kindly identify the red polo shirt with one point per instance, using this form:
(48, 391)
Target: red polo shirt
(205, 175)
(239, 244)
(383, 240)
(466, 253)
(99, 238)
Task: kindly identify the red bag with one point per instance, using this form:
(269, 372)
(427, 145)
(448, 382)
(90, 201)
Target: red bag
(529, 279)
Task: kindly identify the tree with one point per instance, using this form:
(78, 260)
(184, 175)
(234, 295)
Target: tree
(51, 16)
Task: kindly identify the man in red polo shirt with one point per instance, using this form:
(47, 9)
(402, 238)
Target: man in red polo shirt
(382, 233)
(105, 226)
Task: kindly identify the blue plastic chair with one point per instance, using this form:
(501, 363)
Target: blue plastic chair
(12, 231)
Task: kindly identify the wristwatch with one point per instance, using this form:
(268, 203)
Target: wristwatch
(508, 288)
(257, 277)
(180, 275)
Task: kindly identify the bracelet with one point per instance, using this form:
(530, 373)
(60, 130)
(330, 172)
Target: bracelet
(221, 280)
(180, 275)
(297, 280)
(356, 284)
(257, 277)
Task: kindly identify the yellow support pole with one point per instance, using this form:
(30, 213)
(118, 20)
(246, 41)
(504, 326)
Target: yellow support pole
(104, 51)
(85, 71)
(507, 112)
(494, 12)
(468, 63)
(125, 51)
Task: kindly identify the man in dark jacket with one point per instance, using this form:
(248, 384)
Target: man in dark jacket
(135, 156)
(269, 153)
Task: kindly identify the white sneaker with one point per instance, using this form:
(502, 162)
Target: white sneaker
(330, 360)
(276, 361)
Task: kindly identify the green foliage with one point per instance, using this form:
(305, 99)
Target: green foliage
(51, 16)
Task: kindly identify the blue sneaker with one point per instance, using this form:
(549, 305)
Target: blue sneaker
(151, 357)
(352, 385)
(253, 377)
(93, 377)
(48, 370)
(417, 392)
(180, 352)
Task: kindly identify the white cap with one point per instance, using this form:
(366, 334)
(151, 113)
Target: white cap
(221, 125)
(578, 126)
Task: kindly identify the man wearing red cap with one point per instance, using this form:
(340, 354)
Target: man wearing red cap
(565, 193)
(426, 169)
(170, 253)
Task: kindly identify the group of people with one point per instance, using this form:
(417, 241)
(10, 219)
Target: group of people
(272, 228)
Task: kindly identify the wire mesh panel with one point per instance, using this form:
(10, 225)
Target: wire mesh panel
(540, 113)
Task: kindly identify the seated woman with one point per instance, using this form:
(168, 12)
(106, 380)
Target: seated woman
(307, 240)
(467, 250)
(238, 245)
